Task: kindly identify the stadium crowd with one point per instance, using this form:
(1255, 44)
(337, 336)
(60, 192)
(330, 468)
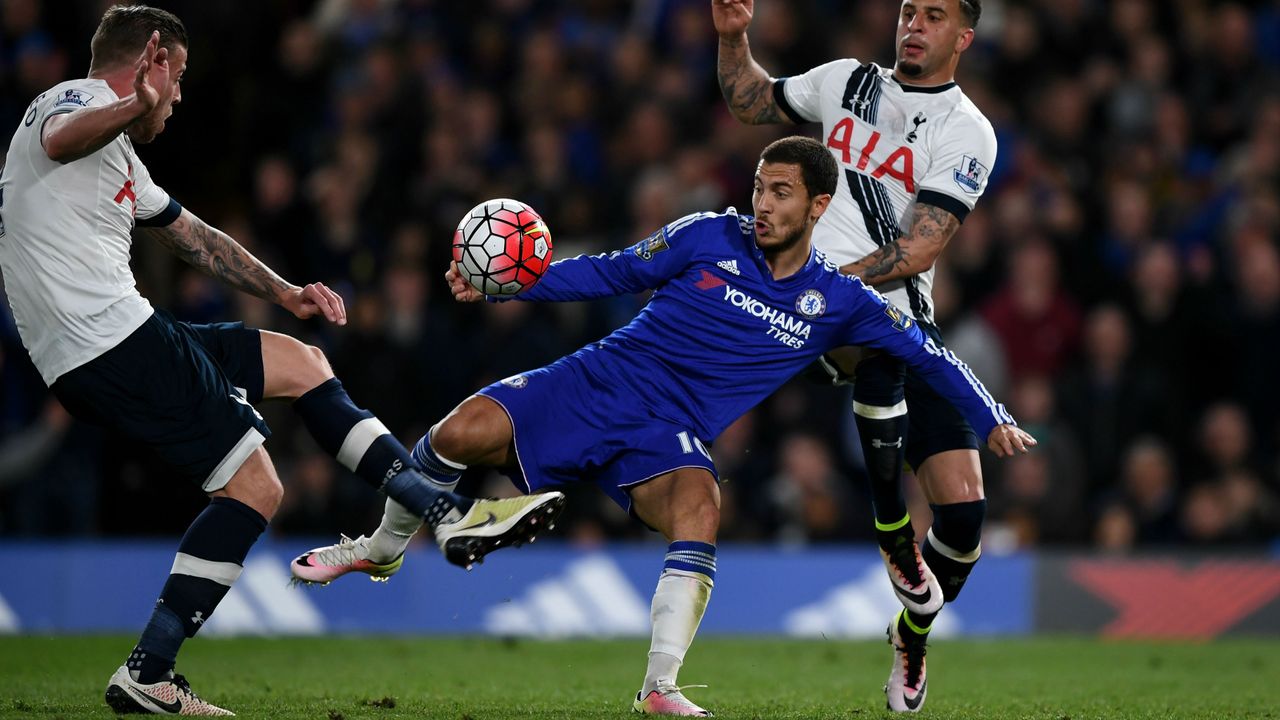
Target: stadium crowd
(1118, 286)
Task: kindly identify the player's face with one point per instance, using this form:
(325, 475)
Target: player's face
(783, 208)
(931, 33)
(146, 128)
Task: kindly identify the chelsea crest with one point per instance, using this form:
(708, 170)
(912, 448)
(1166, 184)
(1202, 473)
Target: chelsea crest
(811, 304)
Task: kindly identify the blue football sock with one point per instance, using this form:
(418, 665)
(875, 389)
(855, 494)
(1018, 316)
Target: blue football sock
(439, 470)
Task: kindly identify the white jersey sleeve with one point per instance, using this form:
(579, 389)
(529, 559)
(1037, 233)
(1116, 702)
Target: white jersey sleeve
(70, 99)
(800, 97)
(960, 162)
(154, 205)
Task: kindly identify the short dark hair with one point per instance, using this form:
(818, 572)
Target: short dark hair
(125, 29)
(817, 167)
(972, 10)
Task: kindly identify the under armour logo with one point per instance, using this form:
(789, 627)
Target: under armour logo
(199, 618)
(919, 120)
(877, 443)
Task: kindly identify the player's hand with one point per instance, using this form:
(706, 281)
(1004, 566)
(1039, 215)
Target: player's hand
(458, 285)
(151, 74)
(731, 17)
(315, 299)
(1006, 440)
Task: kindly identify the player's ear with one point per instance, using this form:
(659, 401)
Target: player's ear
(964, 41)
(818, 205)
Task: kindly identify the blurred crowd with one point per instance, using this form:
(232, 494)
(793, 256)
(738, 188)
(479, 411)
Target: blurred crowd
(1118, 286)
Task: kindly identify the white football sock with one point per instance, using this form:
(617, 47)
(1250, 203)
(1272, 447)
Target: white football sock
(394, 533)
(678, 605)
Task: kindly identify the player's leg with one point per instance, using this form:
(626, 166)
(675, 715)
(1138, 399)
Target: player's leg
(684, 506)
(359, 441)
(477, 432)
(943, 450)
(209, 560)
(880, 410)
(161, 387)
(952, 482)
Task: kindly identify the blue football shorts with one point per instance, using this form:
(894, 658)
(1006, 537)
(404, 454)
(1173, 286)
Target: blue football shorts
(571, 426)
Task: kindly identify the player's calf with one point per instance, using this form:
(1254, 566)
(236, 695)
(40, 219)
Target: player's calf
(954, 543)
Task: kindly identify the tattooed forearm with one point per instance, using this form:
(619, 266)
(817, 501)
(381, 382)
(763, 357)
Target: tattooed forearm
(884, 262)
(745, 85)
(217, 255)
(911, 254)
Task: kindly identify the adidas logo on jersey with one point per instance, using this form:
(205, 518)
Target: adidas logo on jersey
(730, 265)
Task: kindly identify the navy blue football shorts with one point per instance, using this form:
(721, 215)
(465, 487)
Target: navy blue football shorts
(571, 427)
(934, 424)
(187, 391)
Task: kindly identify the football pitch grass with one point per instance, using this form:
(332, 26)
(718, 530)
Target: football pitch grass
(346, 678)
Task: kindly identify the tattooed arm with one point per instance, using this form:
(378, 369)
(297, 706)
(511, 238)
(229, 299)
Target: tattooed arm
(913, 253)
(217, 255)
(746, 87)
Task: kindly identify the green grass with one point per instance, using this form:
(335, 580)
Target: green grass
(487, 679)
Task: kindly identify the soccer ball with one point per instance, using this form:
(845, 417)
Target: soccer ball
(502, 247)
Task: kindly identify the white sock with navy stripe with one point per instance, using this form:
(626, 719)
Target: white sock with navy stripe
(399, 524)
(681, 598)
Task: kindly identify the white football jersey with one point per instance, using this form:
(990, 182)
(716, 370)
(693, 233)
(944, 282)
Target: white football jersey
(65, 236)
(895, 144)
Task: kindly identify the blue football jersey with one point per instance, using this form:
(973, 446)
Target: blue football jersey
(720, 333)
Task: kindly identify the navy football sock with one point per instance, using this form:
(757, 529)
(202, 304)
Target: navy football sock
(954, 543)
(210, 558)
(362, 444)
(880, 411)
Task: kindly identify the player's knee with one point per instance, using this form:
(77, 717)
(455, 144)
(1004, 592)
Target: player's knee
(461, 437)
(256, 484)
(315, 366)
(958, 526)
(272, 494)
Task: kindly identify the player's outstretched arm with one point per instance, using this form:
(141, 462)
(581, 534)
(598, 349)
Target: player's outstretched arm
(746, 87)
(1006, 440)
(931, 229)
(217, 255)
(71, 136)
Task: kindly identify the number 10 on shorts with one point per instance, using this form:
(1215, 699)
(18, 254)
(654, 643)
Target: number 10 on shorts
(688, 444)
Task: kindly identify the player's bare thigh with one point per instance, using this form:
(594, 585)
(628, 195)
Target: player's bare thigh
(682, 505)
(291, 367)
(477, 432)
(951, 476)
(255, 484)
